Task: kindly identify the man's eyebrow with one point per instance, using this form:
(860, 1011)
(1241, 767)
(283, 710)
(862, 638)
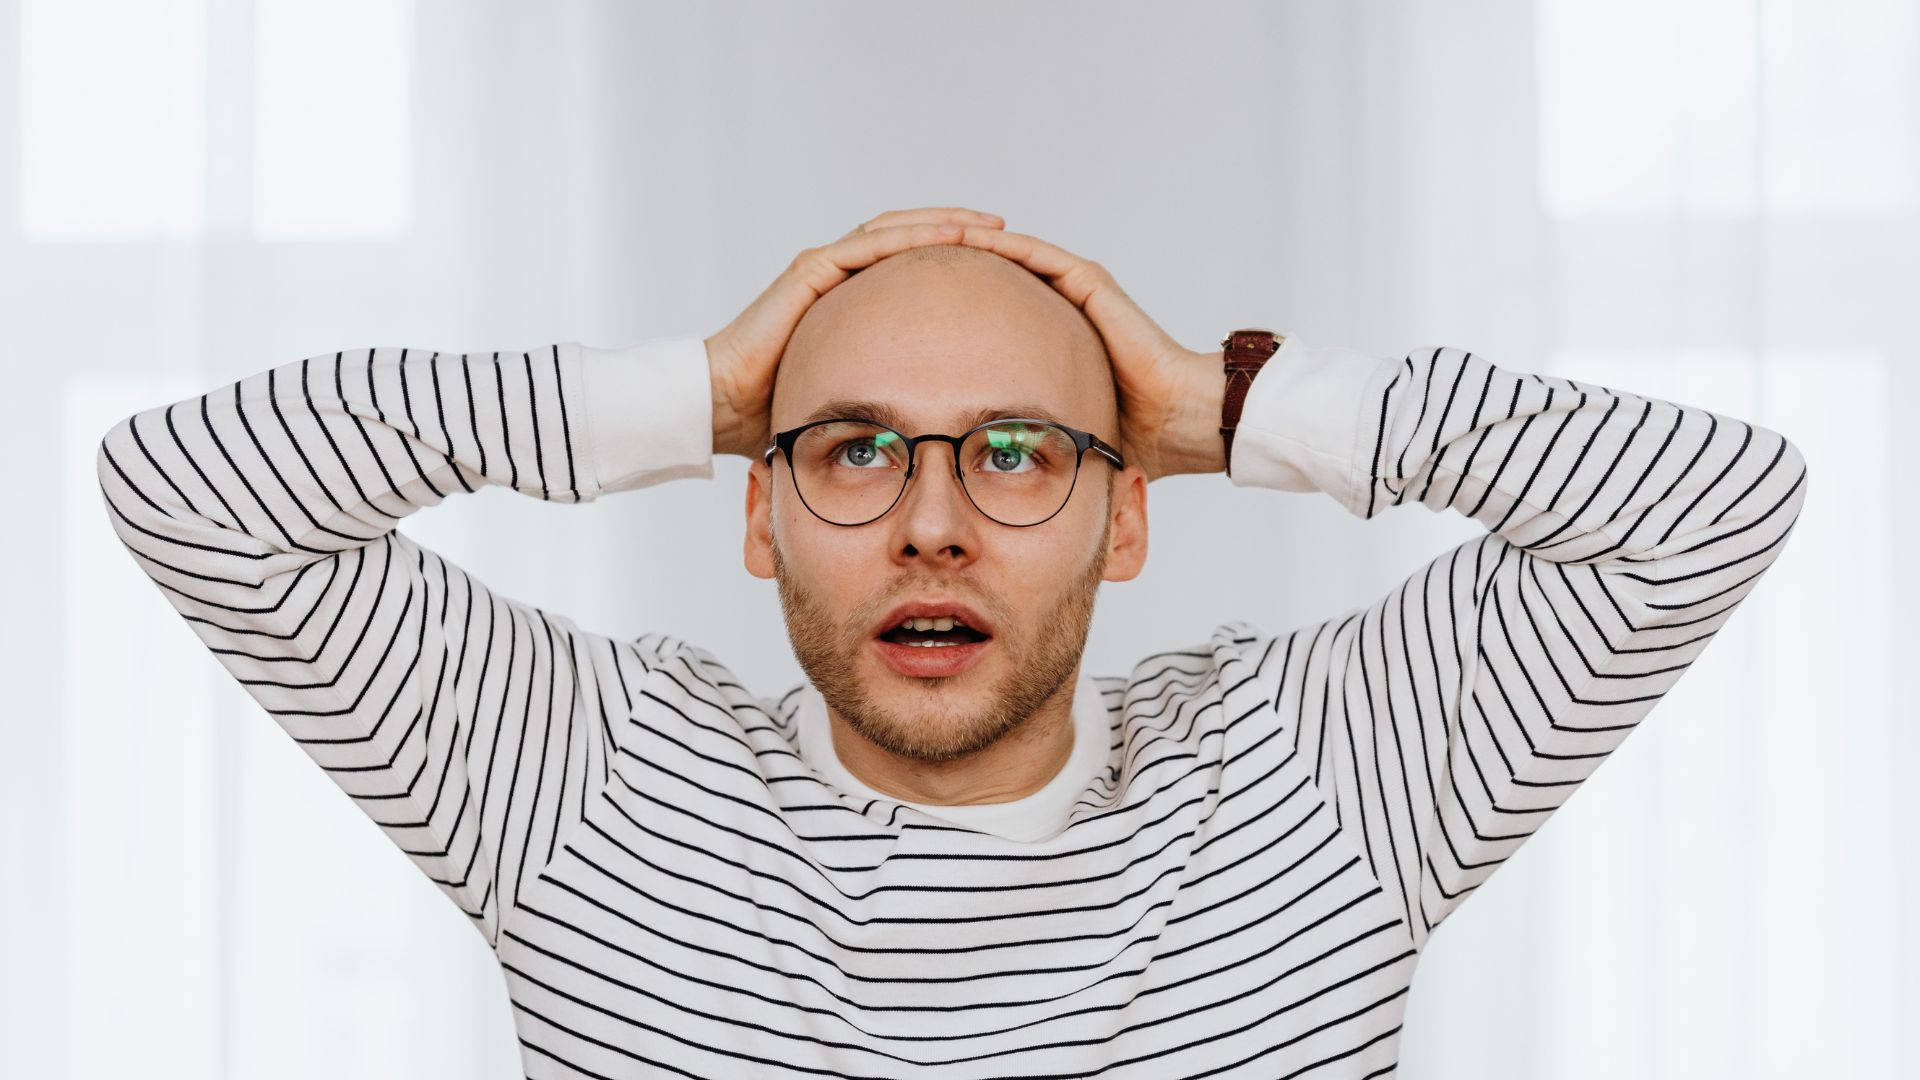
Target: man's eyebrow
(884, 413)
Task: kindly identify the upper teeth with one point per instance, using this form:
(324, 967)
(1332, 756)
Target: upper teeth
(944, 622)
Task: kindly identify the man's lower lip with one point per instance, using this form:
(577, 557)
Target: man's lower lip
(930, 661)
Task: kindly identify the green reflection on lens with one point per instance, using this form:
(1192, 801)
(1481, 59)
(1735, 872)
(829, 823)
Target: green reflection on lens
(885, 437)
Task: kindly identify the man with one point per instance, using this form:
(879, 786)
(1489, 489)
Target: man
(951, 853)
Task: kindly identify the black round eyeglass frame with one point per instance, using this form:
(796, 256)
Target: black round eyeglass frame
(1083, 441)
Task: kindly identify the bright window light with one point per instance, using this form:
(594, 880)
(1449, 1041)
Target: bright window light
(113, 119)
(1646, 106)
(1726, 107)
(140, 786)
(1840, 110)
(332, 119)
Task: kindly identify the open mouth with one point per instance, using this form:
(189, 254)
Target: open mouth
(933, 637)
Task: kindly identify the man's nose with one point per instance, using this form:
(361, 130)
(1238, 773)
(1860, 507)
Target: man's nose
(934, 514)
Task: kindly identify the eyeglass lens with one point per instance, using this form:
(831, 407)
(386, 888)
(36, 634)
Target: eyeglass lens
(1018, 473)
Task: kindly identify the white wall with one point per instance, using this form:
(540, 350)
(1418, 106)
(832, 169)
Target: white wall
(1713, 202)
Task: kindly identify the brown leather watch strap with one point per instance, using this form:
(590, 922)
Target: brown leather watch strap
(1246, 351)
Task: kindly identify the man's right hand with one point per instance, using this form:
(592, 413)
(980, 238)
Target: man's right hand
(742, 356)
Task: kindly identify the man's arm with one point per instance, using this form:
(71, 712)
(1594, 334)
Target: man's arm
(473, 729)
(1446, 722)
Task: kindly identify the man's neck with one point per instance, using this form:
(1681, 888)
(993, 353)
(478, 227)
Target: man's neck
(1019, 764)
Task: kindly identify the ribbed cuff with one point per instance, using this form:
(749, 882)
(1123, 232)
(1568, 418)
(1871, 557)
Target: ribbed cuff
(649, 410)
(1304, 421)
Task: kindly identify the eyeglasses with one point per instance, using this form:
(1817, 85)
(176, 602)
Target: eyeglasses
(1019, 471)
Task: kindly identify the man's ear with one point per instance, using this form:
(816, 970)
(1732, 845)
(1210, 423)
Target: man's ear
(758, 548)
(1127, 537)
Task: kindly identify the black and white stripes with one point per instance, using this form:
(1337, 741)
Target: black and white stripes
(266, 512)
(672, 890)
(1472, 699)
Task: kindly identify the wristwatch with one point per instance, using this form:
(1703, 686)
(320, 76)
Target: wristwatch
(1246, 350)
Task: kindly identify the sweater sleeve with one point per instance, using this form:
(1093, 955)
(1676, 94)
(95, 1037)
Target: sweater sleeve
(1445, 722)
(471, 728)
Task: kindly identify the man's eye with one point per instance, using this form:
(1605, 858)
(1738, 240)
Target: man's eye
(859, 453)
(1011, 459)
(1012, 452)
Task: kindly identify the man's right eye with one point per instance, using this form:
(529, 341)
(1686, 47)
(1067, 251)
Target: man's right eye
(860, 453)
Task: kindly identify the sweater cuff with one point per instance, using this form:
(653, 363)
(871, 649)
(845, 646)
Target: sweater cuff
(649, 412)
(1305, 420)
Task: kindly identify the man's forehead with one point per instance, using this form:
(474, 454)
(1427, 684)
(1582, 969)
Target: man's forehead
(953, 420)
(923, 386)
(945, 349)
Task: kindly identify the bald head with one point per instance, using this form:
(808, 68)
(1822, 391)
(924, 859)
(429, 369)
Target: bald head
(940, 330)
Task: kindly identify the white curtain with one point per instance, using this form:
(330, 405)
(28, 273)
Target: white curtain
(1713, 202)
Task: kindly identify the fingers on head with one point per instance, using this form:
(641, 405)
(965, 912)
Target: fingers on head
(957, 215)
(963, 215)
(1047, 260)
(825, 266)
(867, 248)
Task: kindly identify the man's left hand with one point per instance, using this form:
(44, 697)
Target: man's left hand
(1169, 395)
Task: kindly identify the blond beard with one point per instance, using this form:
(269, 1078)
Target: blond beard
(933, 727)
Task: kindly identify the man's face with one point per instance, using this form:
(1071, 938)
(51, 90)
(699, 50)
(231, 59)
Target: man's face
(939, 333)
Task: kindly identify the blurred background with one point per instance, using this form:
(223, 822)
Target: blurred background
(1713, 202)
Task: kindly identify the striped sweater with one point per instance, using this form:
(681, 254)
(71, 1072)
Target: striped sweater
(1236, 874)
